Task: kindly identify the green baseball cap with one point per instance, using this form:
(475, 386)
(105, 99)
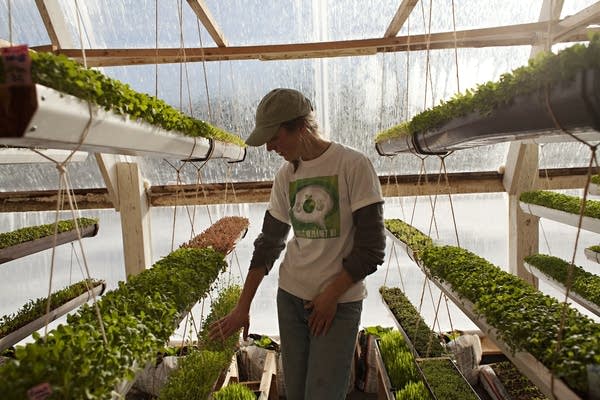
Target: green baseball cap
(278, 106)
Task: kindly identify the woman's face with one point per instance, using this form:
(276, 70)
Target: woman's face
(286, 144)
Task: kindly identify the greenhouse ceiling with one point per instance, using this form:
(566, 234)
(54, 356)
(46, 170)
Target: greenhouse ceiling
(118, 32)
(367, 65)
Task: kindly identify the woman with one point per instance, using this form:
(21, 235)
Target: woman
(331, 196)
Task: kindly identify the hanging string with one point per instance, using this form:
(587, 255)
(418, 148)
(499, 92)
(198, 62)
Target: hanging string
(156, 48)
(547, 183)
(210, 114)
(455, 47)
(445, 172)
(10, 31)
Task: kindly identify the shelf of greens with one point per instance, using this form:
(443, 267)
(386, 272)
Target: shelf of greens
(505, 382)
(519, 106)
(419, 336)
(584, 287)
(33, 239)
(400, 377)
(86, 358)
(562, 208)
(73, 107)
(520, 320)
(32, 316)
(222, 236)
(206, 361)
(407, 237)
(592, 253)
(444, 379)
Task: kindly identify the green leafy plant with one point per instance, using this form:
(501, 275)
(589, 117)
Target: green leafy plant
(413, 391)
(445, 381)
(563, 202)
(545, 71)
(66, 75)
(235, 391)
(584, 283)
(34, 309)
(595, 248)
(204, 364)
(227, 300)
(424, 340)
(196, 375)
(525, 319)
(30, 233)
(414, 238)
(398, 360)
(138, 318)
(516, 384)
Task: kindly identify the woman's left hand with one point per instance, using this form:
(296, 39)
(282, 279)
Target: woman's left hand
(323, 309)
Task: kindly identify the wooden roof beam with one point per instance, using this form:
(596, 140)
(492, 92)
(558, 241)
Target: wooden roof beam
(204, 15)
(55, 23)
(514, 35)
(577, 22)
(400, 18)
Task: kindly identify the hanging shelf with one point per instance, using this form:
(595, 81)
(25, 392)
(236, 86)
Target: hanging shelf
(46, 242)
(576, 297)
(587, 223)
(524, 361)
(407, 237)
(575, 104)
(57, 121)
(26, 330)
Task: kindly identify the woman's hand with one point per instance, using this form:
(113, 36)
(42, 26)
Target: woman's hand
(323, 309)
(229, 324)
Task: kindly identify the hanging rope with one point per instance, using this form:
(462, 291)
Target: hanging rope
(445, 172)
(10, 31)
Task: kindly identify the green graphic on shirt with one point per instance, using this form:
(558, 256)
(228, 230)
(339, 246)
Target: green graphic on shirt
(315, 207)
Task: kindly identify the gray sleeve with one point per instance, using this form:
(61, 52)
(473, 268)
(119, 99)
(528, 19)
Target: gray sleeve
(369, 242)
(269, 243)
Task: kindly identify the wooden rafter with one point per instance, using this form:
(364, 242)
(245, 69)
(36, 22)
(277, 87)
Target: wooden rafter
(207, 20)
(577, 22)
(253, 192)
(54, 21)
(400, 18)
(513, 35)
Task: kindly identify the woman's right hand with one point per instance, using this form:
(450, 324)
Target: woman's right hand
(229, 324)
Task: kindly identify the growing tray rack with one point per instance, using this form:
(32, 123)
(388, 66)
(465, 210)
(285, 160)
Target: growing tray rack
(575, 104)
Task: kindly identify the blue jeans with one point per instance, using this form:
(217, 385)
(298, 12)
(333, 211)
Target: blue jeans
(316, 367)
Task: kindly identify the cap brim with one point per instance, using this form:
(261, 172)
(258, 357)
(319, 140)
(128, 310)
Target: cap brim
(261, 135)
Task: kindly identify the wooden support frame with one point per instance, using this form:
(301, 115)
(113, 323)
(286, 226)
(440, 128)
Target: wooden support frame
(258, 192)
(201, 10)
(400, 17)
(135, 219)
(512, 35)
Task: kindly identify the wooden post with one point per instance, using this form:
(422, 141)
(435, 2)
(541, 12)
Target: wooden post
(135, 218)
(523, 230)
(521, 174)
